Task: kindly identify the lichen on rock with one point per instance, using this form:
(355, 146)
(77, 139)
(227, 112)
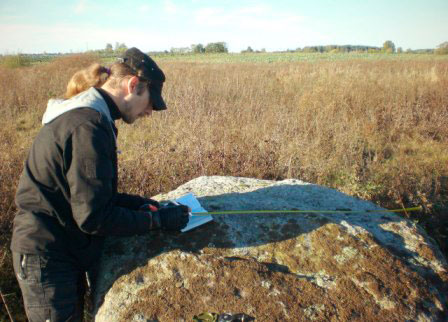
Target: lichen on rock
(310, 266)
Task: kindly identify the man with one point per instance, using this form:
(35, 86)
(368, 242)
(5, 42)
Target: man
(67, 196)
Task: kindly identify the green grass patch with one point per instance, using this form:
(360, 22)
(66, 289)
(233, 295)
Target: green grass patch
(291, 57)
(15, 61)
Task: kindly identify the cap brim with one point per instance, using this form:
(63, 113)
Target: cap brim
(158, 104)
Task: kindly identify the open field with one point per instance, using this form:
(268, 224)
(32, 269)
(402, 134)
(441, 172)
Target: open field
(294, 57)
(290, 57)
(371, 126)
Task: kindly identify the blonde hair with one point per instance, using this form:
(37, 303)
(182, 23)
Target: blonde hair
(96, 75)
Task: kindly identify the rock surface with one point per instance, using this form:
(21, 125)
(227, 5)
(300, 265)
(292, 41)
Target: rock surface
(276, 267)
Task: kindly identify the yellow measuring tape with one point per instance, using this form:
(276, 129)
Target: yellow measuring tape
(249, 212)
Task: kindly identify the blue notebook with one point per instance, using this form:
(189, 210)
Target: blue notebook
(191, 201)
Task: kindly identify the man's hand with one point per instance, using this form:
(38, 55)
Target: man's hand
(171, 217)
(151, 202)
(174, 217)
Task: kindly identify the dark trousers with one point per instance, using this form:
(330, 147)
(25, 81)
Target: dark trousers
(52, 289)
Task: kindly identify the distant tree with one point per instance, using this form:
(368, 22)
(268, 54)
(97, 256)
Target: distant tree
(339, 49)
(180, 50)
(311, 49)
(109, 47)
(216, 47)
(248, 50)
(330, 48)
(198, 48)
(120, 47)
(399, 50)
(389, 46)
(423, 51)
(442, 49)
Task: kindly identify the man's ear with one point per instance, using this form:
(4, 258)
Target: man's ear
(132, 84)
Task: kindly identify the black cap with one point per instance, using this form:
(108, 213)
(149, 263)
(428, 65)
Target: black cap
(147, 69)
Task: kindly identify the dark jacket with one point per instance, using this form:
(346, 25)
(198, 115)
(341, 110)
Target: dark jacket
(67, 195)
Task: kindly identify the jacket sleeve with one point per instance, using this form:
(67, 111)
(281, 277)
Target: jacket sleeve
(133, 202)
(90, 178)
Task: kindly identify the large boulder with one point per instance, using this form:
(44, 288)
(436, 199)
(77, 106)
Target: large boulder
(370, 266)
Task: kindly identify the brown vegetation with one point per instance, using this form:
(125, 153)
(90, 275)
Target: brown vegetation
(374, 129)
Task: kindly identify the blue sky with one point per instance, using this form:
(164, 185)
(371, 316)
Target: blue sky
(33, 26)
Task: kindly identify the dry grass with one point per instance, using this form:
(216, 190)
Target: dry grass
(373, 129)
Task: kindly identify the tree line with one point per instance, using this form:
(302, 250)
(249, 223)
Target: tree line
(213, 47)
(388, 47)
(221, 47)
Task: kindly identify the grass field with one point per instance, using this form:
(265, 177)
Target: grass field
(373, 126)
(293, 57)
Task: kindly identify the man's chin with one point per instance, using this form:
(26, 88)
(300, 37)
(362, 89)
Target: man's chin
(128, 120)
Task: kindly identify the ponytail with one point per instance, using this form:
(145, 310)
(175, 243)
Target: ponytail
(96, 75)
(93, 76)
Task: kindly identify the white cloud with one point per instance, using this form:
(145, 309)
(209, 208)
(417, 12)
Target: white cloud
(206, 12)
(254, 17)
(34, 38)
(144, 8)
(259, 26)
(254, 10)
(170, 7)
(80, 7)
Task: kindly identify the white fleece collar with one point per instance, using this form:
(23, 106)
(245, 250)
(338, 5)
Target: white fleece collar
(90, 98)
